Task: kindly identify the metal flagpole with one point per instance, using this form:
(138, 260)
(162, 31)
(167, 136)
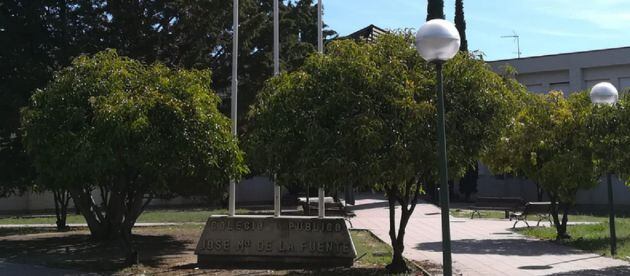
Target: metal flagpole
(232, 200)
(320, 27)
(320, 48)
(276, 38)
(276, 70)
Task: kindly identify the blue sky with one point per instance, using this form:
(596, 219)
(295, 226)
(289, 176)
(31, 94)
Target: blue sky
(544, 26)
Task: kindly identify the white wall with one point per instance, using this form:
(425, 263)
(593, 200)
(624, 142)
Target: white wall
(33, 202)
(256, 189)
(579, 70)
(489, 185)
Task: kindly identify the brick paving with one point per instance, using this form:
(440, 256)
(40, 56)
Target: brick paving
(482, 247)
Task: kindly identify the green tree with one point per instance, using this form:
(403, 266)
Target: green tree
(40, 37)
(549, 142)
(132, 132)
(36, 37)
(435, 9)
(298, 39)
(460, 24)
(364, 114)
(610, 138)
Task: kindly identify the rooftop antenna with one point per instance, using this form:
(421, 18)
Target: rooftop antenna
(516, 38)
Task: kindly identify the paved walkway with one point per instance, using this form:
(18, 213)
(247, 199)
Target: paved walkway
(482, 247)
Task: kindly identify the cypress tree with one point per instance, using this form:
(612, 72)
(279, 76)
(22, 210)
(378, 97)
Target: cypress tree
(435, 9)
(460, 24)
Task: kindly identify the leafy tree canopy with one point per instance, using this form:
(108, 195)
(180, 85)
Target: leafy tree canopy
(609, 129)
(131, 131)
(40, 37)
(365, 114)
(549, 142)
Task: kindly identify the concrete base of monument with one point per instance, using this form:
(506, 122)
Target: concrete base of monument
(270, 242)
(271, 262)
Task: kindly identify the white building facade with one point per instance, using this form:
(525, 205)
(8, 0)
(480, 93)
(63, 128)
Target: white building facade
(572, 72)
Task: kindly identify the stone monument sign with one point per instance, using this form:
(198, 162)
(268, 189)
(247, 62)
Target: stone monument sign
(273, 241)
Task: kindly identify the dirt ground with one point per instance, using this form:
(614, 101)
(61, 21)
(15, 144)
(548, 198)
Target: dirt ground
(167, 250)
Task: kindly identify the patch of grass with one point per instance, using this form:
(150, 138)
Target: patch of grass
(47, 219)
(157, 215)
(376, 252)
(587, 218)
(589, 237)
(182, 215)
(465, 213)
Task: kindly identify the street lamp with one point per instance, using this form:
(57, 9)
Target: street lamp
(604, 93)
(438, 41)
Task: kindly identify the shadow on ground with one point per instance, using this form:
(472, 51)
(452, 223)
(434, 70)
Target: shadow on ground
(381, 203)
(191, 269)
(374, 205)
(517, 247)
(79, 251)
(341, 271)
(24, 231)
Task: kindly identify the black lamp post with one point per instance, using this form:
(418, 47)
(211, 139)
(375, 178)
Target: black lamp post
(604, 93)
(438, 41)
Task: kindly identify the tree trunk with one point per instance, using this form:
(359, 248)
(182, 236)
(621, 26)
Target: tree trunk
(554, 210)
(76, 206)
(432, 193)
(392, 218)
(114, 218)
(561, 226)
(562, 229)
(89, 210)
(61, 198)
(539, 192)
(398, 264)
(135, 207)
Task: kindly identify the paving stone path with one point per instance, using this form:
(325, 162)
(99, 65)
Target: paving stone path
(482, 247)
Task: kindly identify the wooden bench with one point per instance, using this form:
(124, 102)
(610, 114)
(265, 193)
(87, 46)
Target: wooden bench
(506, 204)
(541, 209)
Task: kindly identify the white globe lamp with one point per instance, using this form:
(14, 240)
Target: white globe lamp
(437, 40)
(604, 93)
